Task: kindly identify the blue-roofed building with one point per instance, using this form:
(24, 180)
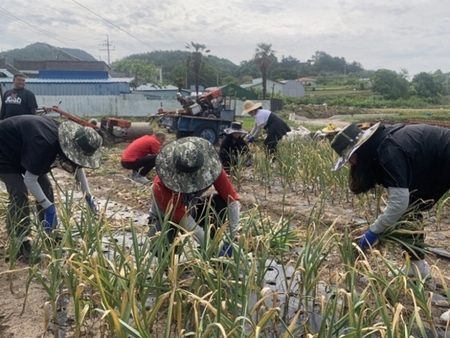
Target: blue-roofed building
(90, 89)
(57, 87)
(73, 82)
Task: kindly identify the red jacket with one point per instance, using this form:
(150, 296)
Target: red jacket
(165, 197)
(143, 146)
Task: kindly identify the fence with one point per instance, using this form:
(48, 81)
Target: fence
(124, 105)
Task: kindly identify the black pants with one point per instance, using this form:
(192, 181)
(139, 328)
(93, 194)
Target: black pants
(208, 211)
(147, 163)
(18, 216)
(276, 128)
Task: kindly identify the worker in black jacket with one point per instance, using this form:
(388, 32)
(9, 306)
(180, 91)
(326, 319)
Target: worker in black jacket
(233, 146)
(411, 161)
(30, 146)
(18, 100)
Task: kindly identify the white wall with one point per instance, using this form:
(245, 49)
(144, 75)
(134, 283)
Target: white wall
(123, 105)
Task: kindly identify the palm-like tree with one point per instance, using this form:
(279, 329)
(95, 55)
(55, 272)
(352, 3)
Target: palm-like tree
(262, 57)
(197, 60)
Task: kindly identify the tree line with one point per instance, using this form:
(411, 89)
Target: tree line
(392, 85)
(199, 67)
(186, 68)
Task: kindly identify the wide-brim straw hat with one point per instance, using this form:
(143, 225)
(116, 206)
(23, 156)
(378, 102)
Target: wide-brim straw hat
(331, 129)
(348, 140)
(188, 165)
(236, 127)
(249, 106)
(80, 144)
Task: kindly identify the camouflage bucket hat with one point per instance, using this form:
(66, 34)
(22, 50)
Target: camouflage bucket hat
(188, 165)
(80, 144)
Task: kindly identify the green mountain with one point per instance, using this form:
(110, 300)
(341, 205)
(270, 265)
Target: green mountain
(216, 71)
(40, 51)
(173, 64)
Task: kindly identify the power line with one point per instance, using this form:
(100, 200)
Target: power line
(17, 21)
(112, 23)
(118, 27)
(36, 29)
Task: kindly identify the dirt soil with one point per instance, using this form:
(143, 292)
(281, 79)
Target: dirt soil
(112, 182)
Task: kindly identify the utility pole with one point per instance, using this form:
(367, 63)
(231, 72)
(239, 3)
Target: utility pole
(109, 48)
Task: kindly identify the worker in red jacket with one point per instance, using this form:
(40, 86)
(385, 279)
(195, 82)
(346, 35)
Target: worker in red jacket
(186, 168)
(140, 155)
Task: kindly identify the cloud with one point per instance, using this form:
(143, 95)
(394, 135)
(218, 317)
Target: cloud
(409, 34)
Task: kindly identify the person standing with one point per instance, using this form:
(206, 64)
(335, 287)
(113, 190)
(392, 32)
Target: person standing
(140, 155)
(275, 127)
(18, 101)
(411, 162)
(29, 147)
(186, 168)
(233, 146)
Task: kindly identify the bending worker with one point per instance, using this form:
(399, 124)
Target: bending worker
(275, 127)
(411, 162)
(140, 155)
(186, 168)
(30, 146)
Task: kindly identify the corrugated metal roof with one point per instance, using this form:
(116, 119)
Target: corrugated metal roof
(37, 80)
(149, 86)
(73, 74)
(72, 88)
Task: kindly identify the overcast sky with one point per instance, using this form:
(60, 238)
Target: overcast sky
(392, 34)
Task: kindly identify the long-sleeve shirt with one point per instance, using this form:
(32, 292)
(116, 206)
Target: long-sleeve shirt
(412, 162)
(165, 197)
(143, 146)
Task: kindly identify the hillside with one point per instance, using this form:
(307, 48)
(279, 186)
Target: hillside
(40, 51)
(173, 65)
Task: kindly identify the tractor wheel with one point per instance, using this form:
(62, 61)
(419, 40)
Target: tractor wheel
(208, 132)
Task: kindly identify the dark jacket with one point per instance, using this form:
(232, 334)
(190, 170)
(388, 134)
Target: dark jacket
(416, 157)
(28, 142)
(18, 102)
(230, 149)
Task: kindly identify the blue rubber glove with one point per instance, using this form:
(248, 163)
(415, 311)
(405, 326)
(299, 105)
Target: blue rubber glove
(368, 239)
(50, 219)
(227, 250)
(90, 201)
(250, 139)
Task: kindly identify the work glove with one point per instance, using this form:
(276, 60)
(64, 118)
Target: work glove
(367, 240)
(90, 201)
(227, 250)
(50, 219)
(250, 139)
